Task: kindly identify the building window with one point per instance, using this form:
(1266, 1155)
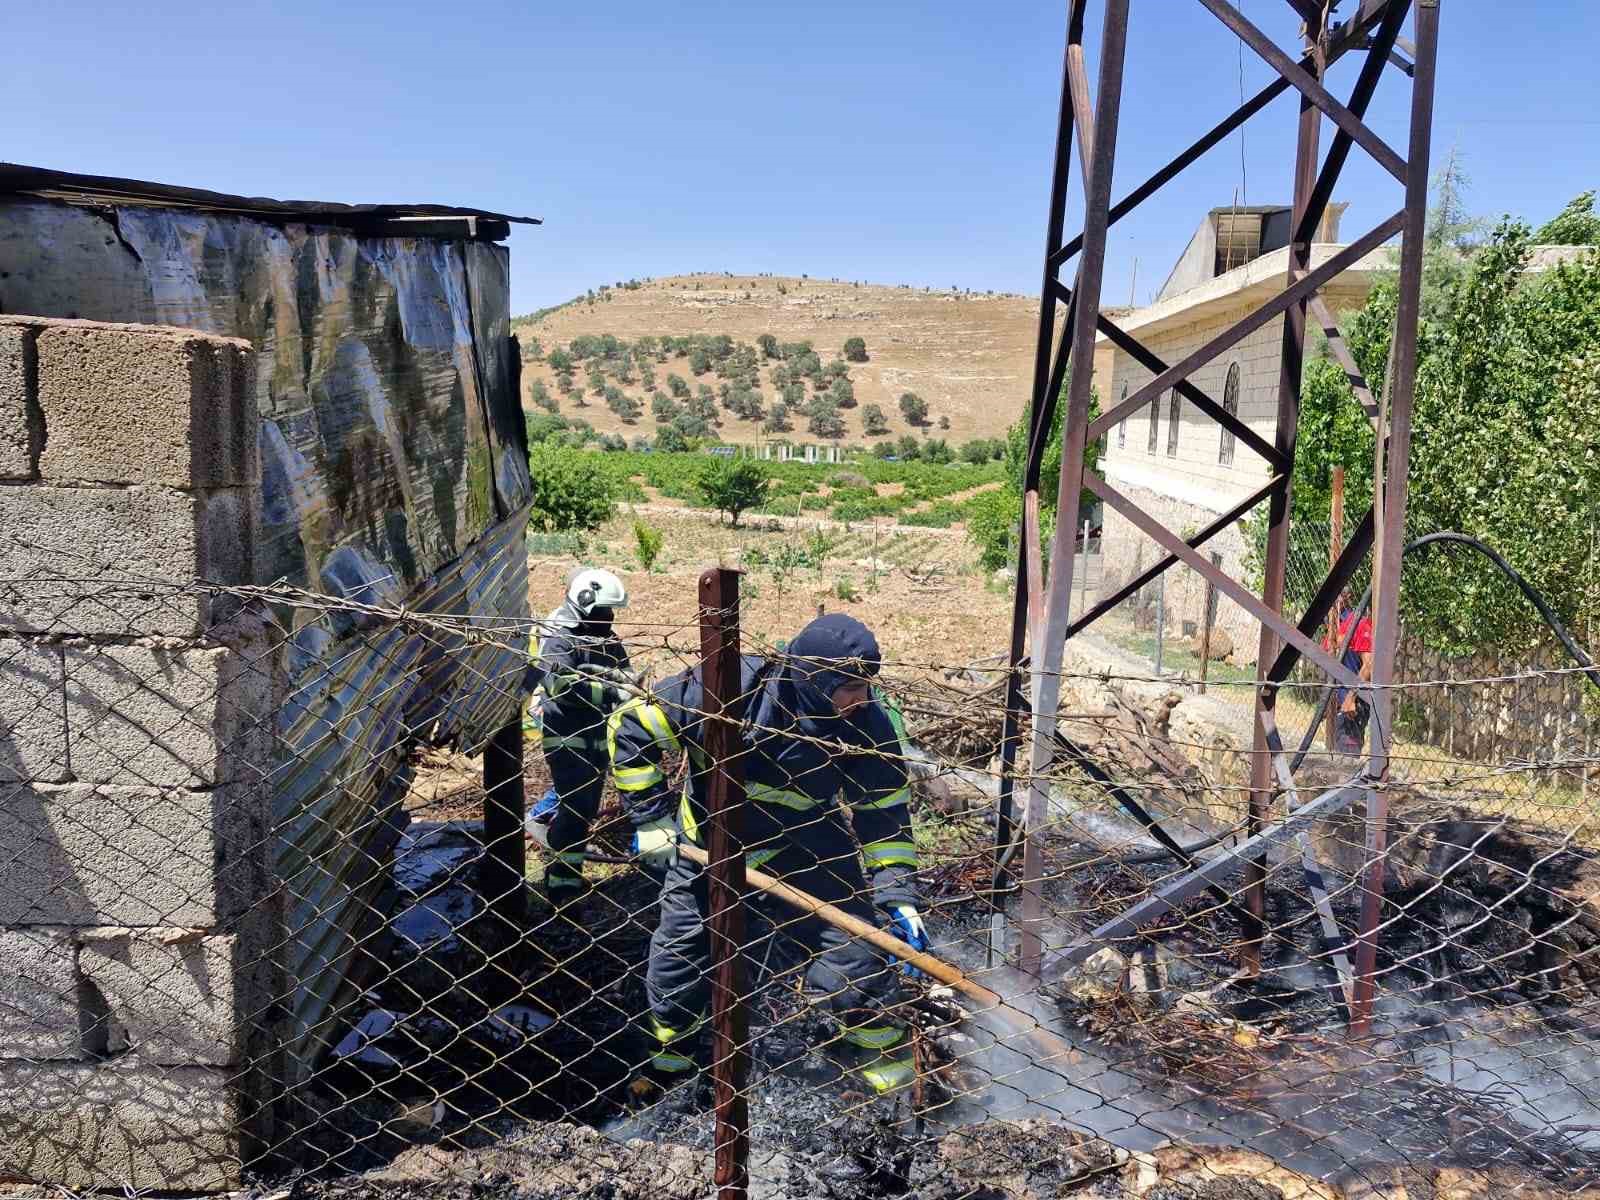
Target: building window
(1173, 414)
(1122, 425)
(1155, 426)
(1230, 405)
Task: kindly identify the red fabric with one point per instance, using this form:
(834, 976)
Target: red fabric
(1361, 643)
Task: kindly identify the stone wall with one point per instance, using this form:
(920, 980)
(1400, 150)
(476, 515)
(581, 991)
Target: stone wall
(135, 747)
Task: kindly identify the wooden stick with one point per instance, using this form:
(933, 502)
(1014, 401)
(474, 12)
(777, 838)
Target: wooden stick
(935, 968)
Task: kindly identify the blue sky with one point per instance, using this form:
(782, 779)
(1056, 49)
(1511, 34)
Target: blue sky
(893, 141)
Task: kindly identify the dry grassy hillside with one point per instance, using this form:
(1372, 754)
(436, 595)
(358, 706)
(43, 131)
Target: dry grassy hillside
(969, 356)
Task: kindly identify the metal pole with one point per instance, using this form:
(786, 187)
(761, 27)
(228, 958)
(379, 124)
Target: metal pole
(730, 1021)
(1161, 619)
(1208, 618)
(1083, 584)
(1029, 579)
(1335, 548)
(504, 870)
(1386, 620)
(1288, 417)
(1048, 649)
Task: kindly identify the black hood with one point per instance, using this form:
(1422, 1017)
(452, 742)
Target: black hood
(833, 650)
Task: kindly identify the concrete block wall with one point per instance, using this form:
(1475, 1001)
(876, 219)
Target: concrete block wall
(135, 744)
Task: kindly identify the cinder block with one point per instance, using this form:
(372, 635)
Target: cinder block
(33, 723)
(151, 405)
(80, 855)
(119, 1125)
(156, 717)
(38, 995)
(175, 999)
(20, 427)
(118, 560)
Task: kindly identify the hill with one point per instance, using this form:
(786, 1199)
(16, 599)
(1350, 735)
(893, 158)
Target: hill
(968, 356)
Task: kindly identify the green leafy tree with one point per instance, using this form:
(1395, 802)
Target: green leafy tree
(768, 345)
(734, 485)
(842, 394)
(1574, 225)
(883, 450)
(914, 408)
(570, 493)
(873, 422)
(976, 451)
(823, 419)
(560, 360)
(908, 448)
(671, 440)
(777, 419)
(540, 395)
(647, 544)
(855, 349)
(542, 426)
(663, 409)
(699, 360)
(936, 450)
(1507, 401)
(678, 386)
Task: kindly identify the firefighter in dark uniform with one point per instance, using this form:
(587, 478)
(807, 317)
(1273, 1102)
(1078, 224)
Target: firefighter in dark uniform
(581, 670)
(821, 749)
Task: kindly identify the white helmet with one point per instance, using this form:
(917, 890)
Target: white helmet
(590, 588)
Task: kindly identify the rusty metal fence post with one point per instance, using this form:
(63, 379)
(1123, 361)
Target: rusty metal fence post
(730, 1020)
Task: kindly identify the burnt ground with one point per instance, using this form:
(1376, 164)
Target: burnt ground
(1188, 1058)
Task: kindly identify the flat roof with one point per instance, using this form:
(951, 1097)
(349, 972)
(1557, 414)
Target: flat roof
(1255, 280)
(393, 220)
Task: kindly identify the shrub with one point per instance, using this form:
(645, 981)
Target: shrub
(848, 479)
(873, 422)
(671, 440)
(976, 451)
(882, 449)
(570, 490)
(662, 409)
(844, 588)
(543, 426)
(944, 422)
(914, 408)
(842, 394)
(734, 485)
(855, 349)
(678, 386)
(768, 344)
(777, 420)
(540, 395)
(909, 448)
(560, 360)
(824, 419)
(647, 543)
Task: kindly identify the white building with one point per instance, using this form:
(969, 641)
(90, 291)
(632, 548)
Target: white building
(1173, 460)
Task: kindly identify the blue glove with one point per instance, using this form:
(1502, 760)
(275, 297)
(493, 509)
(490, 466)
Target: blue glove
(547, 807)
(905, 922)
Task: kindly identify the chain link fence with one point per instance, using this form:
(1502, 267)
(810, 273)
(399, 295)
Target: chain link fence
(287, 909)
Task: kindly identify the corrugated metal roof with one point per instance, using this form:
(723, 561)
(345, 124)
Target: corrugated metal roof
(420, 220)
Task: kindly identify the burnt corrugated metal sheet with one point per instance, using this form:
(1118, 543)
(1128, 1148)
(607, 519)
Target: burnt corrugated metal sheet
(362, 694)
(387, 441)
(394, 473)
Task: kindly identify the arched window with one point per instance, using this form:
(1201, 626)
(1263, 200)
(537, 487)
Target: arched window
(1173, 415)
(1155, 426)
(1230, 405)
(1122, 425)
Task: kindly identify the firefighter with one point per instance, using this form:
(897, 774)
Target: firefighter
(820, 747)
(581, 668)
